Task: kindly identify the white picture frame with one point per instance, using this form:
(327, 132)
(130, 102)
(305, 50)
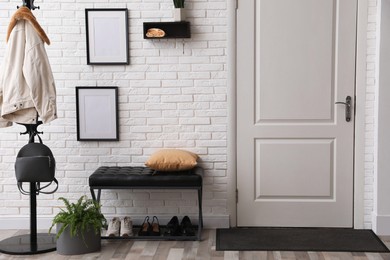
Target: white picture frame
(97, 113)
(107, 34)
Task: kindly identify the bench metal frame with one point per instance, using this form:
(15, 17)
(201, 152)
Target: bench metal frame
(200, 217)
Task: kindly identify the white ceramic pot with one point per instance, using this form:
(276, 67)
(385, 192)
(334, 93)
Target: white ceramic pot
(179, 14)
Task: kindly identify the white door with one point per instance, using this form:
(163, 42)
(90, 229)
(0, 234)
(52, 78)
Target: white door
(295, 59)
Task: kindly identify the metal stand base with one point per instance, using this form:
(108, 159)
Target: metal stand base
(32, 243)
(22, 245)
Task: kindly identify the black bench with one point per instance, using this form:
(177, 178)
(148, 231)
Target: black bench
(145, 178)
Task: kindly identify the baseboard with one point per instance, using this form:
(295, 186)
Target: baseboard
(44, 223)
(23, 222)
(381, 224)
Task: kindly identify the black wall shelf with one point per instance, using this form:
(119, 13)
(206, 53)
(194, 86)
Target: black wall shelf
(171, 29)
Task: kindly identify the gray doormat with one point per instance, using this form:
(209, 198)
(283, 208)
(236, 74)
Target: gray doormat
(298, 239)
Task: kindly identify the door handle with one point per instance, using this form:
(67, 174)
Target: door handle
(348, 105)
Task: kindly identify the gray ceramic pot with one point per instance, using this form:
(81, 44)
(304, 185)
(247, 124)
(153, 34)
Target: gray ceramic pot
(67, 245)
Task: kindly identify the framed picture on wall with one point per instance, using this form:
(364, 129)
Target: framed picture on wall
(97, 113)
(107, 33)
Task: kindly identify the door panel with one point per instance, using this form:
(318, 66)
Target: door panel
(295, 56)
(295, 59)
(273, 183)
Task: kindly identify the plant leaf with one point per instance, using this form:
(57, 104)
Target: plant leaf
(79, 217)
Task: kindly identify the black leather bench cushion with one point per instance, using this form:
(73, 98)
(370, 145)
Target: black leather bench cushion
(116, 177)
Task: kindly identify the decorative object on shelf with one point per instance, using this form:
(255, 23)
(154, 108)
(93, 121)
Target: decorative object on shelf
(97, 113)
(79, 227)
(107, 36)
(178, 12)
(155, 33)
(170, 29)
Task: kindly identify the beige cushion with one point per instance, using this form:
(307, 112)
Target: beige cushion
(172, 160)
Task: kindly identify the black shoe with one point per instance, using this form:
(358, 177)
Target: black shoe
(173, 227)
(186, 227)
(155, 227)
(145, 227)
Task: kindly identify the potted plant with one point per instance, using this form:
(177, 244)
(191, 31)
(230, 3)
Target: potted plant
(178, 13)
(79, 227)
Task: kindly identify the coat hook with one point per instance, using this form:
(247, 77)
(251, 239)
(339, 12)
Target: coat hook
(29, 4)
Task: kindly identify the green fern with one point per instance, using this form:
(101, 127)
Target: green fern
(178, 3)
(79, 217)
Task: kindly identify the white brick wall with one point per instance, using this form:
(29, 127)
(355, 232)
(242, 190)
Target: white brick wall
(173, 94)
(371, 99)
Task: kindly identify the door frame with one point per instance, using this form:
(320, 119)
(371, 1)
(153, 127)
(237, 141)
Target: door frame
(360, 92)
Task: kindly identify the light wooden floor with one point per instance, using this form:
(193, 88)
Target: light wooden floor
(200, 250)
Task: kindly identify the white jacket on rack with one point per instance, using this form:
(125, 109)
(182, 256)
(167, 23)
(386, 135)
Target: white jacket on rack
(27, 88)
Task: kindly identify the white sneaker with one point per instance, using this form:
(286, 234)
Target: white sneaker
(113, 227)
(127, 227)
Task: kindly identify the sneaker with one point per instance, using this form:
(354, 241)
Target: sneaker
(113, 227)
(127, 227)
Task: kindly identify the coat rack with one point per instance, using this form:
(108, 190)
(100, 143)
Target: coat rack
(33, 243)
(29, 4)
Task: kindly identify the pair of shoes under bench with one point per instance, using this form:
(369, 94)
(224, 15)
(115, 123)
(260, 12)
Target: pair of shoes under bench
(124, 227)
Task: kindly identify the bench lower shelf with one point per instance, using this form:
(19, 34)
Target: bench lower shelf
(161, 237)
(164, 238)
